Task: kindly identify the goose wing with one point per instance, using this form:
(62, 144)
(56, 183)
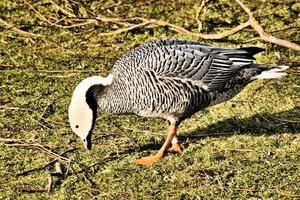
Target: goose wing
(193, 61)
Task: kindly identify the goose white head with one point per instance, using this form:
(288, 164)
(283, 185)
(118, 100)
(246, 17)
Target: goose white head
(83, 107)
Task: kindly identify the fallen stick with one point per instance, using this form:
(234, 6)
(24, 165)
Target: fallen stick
(41, 148)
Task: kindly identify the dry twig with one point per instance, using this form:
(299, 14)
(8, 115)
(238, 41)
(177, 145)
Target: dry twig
(15, 29)
(50, 183)
(198, 12)
(69, 14)
(41, 148)
(45, 165)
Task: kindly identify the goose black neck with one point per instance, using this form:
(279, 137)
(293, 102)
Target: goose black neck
(92, 102)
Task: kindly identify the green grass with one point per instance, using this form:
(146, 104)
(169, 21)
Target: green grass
(246, 148)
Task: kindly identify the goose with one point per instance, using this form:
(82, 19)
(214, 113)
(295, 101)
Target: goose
(170, 79)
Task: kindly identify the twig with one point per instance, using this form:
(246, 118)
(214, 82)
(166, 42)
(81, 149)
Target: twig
(198, 12)
(263, 35)
(31, 190)
(218, 134)
(62, 76)
(285, 120)
(285, 29)
(102, 18)
(67, 71)
(179, 29)
(50, 183)
(44, 111)
(2, 65)
(41, 148)
(36, 168)
(242, 150)
(101, 162)
(37, 12)
(182, 30)
(58, 169)
(12, 140)
(121, 30)
(62, 10)
(13, 108)
(45, 165)
(58, 173)
(12, 27)
(88, 22)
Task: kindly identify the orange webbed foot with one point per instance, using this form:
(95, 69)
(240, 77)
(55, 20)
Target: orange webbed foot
(176, 148)
(149, 160)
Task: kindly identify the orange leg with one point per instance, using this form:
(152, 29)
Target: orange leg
(150, 160)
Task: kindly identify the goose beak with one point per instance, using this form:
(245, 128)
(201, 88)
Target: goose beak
(87, 142)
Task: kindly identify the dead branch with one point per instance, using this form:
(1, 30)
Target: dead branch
(128, 25)
(265, 36)
(179, 29)
(15, 29)
(251, 22)
(182, 30)
(150, 23)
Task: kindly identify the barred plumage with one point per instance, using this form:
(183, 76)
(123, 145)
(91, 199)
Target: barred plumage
(174, 79)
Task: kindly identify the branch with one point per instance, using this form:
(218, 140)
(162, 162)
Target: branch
(178, 29)
(265, 36)
(182, 30)
(251, 22)
(128, 25)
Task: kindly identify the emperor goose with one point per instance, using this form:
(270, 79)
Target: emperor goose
(171, 79)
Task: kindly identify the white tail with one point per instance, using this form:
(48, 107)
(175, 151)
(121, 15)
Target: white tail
(273, 73)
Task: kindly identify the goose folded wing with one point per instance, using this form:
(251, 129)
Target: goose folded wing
(212, 67)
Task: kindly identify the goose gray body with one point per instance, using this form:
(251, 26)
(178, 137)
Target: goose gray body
(174, 79)
(171, 79)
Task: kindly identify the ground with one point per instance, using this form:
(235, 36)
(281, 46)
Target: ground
(248, 147)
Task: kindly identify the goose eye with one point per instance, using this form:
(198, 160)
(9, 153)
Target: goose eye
(76, 126)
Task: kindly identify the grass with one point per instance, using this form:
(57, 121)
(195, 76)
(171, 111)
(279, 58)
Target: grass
(246, 148)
